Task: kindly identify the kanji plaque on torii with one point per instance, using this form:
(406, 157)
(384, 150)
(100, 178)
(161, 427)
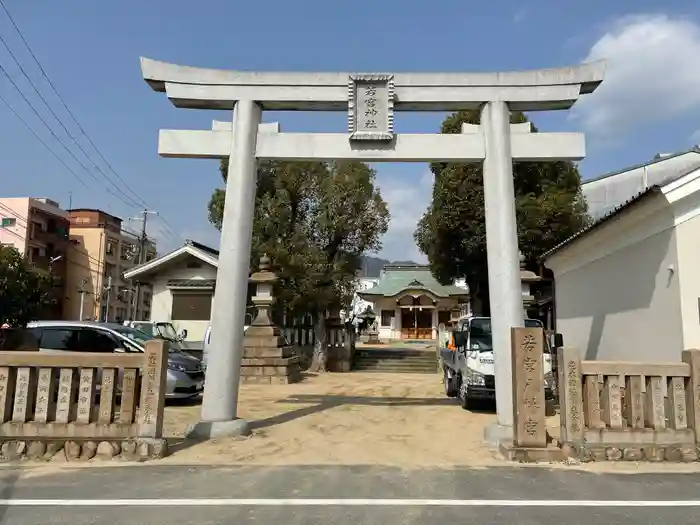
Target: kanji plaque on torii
(371, 107)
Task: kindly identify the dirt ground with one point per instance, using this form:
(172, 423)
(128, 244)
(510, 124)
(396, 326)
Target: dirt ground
(392, 420)
(398, 420)
(358, 418)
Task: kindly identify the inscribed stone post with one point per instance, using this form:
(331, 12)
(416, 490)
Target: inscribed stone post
(570, 395)
(527, 345)
(692, 391)
(153, 384)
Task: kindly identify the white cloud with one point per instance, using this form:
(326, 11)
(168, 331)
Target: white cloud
(407, 200)
(652, 75)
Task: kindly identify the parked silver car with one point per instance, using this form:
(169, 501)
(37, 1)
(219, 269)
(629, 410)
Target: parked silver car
(185, 374)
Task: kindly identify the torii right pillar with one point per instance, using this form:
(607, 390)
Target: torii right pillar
(503, 256)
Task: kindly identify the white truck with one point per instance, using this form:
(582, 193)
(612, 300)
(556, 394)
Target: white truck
(207, 344)
(468, 361)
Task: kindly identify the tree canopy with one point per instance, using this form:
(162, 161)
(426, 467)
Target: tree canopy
(549, 206)
(24, 291)
(315, 220)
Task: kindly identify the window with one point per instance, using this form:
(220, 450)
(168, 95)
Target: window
(8, 222)
(127, 252)
(191, 307)
(91, 340)
(387, 317)
(60, 338)
(133, 334)
(111, 247)
(146, 328)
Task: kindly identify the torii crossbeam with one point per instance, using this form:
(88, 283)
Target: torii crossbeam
(371, 100)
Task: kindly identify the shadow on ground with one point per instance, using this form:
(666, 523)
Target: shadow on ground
(318, 403)
(324, 402)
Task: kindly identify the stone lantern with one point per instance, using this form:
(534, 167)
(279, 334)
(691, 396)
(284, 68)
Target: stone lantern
(263, 299)
(526, 279)
(267, 358)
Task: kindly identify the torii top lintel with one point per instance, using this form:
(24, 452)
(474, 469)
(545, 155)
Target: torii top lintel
(535, 90)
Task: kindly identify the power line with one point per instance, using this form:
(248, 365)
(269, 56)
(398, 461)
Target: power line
(63, 103)
(139, 201)
(58, 119)
(36, 135)
(133, 203)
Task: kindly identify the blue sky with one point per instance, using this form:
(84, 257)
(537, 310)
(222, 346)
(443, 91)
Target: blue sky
(649, 102)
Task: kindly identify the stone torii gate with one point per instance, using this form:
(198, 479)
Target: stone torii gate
(370, 100)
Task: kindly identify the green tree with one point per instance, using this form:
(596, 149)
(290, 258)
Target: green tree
(24, 291)
(549, 206)
(315, 220)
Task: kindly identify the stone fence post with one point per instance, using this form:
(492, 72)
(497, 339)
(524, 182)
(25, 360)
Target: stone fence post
(570, 395)
(692, 391)
(153, 383)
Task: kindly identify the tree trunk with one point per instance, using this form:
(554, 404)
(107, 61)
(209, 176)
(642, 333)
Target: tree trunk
(319, 361)
(349, 344)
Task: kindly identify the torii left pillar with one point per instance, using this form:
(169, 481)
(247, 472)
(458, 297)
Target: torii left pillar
(219, 406)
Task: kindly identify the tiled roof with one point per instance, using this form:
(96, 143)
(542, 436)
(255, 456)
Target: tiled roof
(655, 160)
(191, 283)
(397, 278)
(203, 247)
(643, 195)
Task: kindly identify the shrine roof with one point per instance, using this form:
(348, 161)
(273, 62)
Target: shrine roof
(396, 279)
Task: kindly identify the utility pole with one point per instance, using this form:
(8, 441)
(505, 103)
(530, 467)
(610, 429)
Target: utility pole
(109, 297)
(83, 291)
(141, 257)
(129, 304)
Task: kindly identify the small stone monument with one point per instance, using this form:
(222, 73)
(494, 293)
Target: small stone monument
(373, 333)
(267, 358)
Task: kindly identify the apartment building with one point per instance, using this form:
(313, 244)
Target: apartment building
(100, 252)
(38, 229)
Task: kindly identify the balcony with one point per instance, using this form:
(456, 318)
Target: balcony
(40, 263)
(44, 263)
(57, 238)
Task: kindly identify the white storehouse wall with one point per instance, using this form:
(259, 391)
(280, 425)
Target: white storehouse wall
(617, 296)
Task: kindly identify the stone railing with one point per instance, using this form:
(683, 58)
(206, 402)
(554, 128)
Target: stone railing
(83, 403)
(299, 335)
(628, 410)
(340, 347)
(304, 336)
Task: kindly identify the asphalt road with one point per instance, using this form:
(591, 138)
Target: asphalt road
(343, 496)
